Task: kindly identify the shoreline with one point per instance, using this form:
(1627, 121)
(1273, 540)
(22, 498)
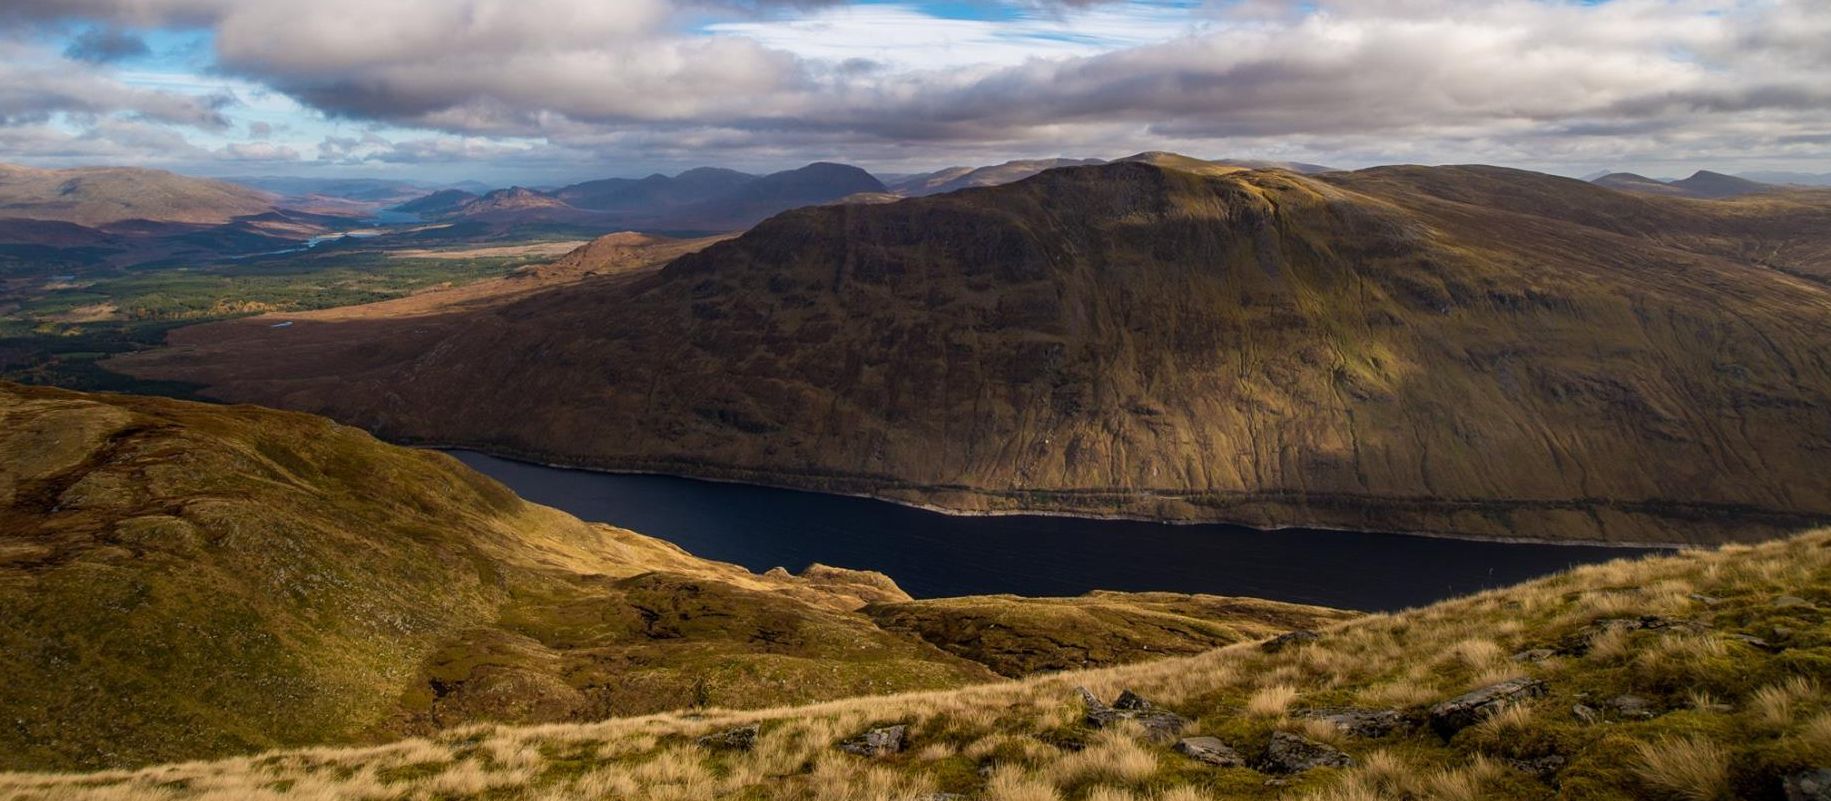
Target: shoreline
(954, 512)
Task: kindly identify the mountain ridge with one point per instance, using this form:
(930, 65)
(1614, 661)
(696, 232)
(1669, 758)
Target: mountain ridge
(1051, 345)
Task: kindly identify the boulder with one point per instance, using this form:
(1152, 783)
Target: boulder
(1812, 785)
(1472, 707)
(1546, 768)
(1209, 751)
(1358, 722)
(876, 742)
(1290, 753)
(1586, 714)
(1159, 724)
(742, 738)
(1632, 707)
(1535, 655)
(1289, 640)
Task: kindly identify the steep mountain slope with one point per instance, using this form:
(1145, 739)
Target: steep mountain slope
(180, 580)
(98, 196)
(1696, 676)
(1457, 350)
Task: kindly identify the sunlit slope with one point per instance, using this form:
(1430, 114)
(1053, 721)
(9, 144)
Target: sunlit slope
(181, 581)
(1458, 350)
(1697, 676)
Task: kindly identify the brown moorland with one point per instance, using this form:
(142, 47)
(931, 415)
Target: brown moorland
(1469, 351)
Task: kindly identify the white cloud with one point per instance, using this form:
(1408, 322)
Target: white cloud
(1526, 81)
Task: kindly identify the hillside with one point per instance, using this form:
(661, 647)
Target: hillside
(1697, 676)
(1457, 350)
(180, 580)
(704, 199)
(1020, 636)
(99, 196)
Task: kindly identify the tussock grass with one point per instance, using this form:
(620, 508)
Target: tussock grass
(1741, 719)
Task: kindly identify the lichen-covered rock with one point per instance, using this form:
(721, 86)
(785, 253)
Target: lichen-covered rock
(1812, 785)
(1209, 751)
(1160, 725)
(1358, 722)
(1475, 706)
(1289, 640)
(742, 738)
(877, 742)
(1290, 753)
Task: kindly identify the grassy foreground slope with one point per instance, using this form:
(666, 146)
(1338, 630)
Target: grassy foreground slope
(180, 581)
(1698, 676)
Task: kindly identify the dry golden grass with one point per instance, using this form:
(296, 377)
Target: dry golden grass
(1690, 768)
(1733, 721)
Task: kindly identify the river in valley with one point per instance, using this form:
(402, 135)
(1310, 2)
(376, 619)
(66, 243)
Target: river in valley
(935, 555)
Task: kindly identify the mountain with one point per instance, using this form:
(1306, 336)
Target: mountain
(100, 196)
(1792, 178)
(1702, 184)
(510, 201)
(654, 192)
(180, 580)
(703, 199)
(1467, 350)
(1693, 676)
(1631, 182)
(954, 178)
(437, 204)
(1707, 184)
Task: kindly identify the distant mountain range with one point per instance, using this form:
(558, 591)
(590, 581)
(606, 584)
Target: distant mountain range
(706, 199)
(1702, 184)
(55, 219)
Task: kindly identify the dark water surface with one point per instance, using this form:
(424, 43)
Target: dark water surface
(936, 555)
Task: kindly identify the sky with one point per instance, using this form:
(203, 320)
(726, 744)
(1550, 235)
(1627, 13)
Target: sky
(550, 91)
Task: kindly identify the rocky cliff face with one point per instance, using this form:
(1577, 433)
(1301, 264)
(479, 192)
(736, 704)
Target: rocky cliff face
(1467, 351)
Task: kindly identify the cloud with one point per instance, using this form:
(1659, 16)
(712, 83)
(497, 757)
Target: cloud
(1531, 80)
(103, 45)
(37, 84)
(256, 151)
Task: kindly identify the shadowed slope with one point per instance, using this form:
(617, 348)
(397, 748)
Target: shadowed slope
(1457, 350)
